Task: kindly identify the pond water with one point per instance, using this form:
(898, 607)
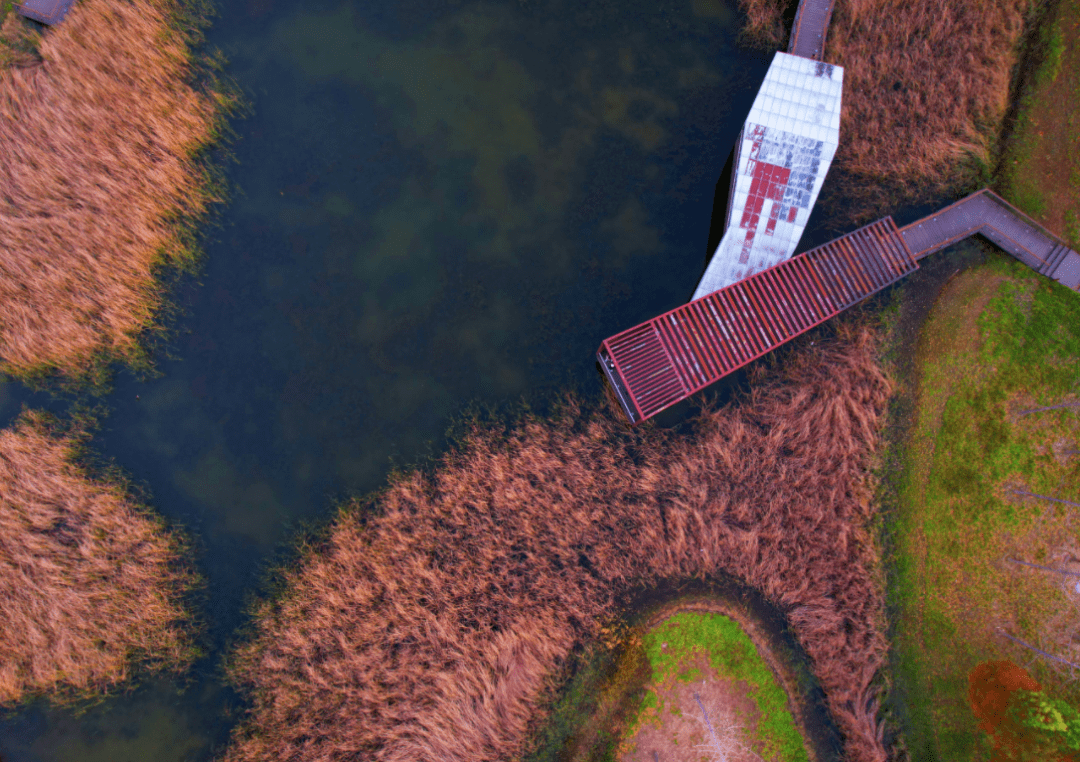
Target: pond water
(443, 206)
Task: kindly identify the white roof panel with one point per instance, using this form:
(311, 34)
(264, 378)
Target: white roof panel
(789, 140)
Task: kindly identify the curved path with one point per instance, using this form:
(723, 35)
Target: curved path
(990, 215)
(662, 361)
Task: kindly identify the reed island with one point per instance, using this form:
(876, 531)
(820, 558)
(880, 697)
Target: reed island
(105, 124)
(91, 582)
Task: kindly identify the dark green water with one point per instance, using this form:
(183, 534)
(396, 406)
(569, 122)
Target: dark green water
(442, 205)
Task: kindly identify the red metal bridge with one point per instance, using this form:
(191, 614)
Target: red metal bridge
(656, 364)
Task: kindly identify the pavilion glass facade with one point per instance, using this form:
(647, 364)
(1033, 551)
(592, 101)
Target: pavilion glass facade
(785, 148)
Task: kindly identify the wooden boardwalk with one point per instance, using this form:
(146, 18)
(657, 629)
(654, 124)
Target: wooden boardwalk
(810, 27)
(988, 214)
(664, 360)
(660, 362)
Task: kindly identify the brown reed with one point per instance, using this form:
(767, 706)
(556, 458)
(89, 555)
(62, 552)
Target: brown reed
(90, 582)
(429, 626)
(99, 171)
(926, 89)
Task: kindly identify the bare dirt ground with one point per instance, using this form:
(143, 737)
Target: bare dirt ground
(676, 730)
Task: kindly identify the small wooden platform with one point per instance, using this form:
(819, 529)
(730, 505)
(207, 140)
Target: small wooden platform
(46, 11)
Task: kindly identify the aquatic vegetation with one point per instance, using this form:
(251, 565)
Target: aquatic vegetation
(91, 583)
(926, 91)
(764, 25)
(101, 183)
(428, 623)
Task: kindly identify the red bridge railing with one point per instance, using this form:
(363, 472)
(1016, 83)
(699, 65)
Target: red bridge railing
(664, 360)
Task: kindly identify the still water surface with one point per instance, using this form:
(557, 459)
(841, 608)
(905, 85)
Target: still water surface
(441, 205)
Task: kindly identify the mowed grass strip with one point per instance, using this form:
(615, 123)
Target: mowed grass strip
(1001, 340)
(731, 654)
(1040, 169)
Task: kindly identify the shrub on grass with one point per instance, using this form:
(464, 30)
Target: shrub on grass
(90, 584)
(98, 171)
(1024, 723)
(429, 626)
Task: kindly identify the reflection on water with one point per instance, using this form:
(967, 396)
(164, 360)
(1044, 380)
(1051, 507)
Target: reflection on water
(153, 723)
(441, 203)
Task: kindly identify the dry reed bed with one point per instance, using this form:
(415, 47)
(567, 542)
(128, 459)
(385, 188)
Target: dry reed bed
(90, 583)
(97, 173)
(430, 627)
(926, 89)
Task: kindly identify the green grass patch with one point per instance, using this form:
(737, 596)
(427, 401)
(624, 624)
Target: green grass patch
(949, 585)
(1052, 89)
(731, 654)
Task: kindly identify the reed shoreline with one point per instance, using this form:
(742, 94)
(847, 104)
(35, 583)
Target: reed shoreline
(112, 133)
(93, 584)
(514, 550)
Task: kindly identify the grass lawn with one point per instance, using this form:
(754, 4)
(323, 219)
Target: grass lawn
(1040, 168)
(1001, 340)
(709, 684)
(642, 695)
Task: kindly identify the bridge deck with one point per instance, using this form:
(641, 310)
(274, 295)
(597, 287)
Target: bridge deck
(988, 214)
(810, 27)
(660, 362)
